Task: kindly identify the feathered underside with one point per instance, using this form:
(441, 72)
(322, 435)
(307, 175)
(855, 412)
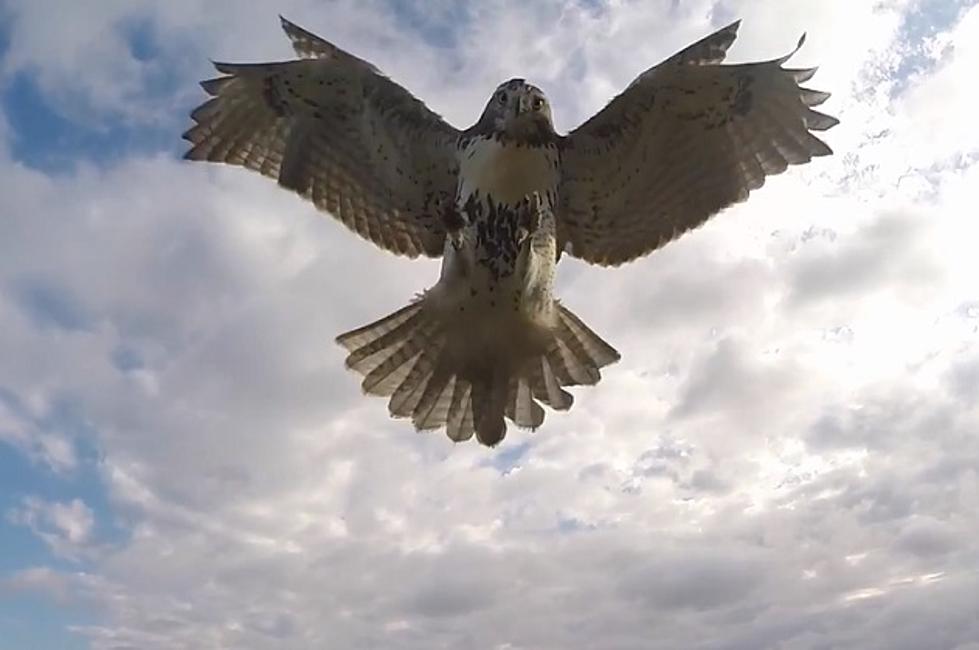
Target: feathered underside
(339, 133)
(433, 374)
(688, 138)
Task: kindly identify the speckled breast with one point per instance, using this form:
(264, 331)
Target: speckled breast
(497, 180)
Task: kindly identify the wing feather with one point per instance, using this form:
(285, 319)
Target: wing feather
(685, 140)
(333, 129)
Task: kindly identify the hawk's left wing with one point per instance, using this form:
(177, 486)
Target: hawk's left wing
(338, 132)
(688, 138)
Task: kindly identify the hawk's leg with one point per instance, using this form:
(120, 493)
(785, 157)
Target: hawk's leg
(530, 217)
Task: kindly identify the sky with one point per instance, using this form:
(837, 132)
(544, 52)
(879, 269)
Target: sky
(786, 457)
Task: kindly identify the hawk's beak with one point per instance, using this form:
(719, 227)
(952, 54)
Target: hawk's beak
(523, 105)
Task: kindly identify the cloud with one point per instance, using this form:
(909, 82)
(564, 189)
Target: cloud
(729, 382)
(963, 379)
(890, 252)
(936, 106)
(41, 580)
(20, 428)
(66, 527)
(784, 458)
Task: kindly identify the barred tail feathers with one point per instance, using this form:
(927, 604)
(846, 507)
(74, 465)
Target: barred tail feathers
(411, 357)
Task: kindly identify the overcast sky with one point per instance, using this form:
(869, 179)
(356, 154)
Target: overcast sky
(786, 456)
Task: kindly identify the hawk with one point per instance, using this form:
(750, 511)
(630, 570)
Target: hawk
(502, 200)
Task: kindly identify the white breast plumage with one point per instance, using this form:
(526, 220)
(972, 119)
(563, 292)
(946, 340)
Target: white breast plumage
(507, 172)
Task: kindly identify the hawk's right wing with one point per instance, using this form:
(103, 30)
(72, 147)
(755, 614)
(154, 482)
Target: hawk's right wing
(338, 132)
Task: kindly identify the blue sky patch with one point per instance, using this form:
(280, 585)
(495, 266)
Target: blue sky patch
(42, 138)
(925, 20)
(34, 622)
(439, 28)
(22, 477)
(143, 43)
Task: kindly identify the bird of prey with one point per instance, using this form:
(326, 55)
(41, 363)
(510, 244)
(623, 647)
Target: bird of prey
(502, 200)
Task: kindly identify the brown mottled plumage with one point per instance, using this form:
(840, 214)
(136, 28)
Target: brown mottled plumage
(501, 200)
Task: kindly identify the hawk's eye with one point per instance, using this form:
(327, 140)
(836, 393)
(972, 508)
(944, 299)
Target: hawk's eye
(501, 97)
(538, 103)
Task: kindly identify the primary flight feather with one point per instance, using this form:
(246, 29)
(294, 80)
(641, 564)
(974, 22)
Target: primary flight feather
(502, 200)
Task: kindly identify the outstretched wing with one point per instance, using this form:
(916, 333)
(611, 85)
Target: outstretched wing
(688, 138)
(339, 133)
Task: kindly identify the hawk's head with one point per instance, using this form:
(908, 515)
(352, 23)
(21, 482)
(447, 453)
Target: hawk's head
(518, 111)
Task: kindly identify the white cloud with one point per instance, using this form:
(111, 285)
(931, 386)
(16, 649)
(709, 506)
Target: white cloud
(936, 115)
(784, 458)
(66, 527)
(52, 448)
(42, 580)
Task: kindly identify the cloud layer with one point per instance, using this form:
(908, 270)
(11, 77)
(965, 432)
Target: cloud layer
(785, 458)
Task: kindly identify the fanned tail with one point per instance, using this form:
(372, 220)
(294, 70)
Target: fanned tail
(435, 376)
